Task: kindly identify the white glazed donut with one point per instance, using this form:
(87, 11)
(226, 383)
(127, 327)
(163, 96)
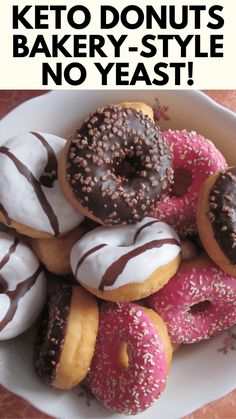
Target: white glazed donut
(31, 199)
(22, 287)
(126, 262)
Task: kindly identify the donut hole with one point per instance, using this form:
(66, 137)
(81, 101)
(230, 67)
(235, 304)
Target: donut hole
(182, 180)
(123, 357)
(200, 307)
(48, 178)
(188, 249)
(127, 167)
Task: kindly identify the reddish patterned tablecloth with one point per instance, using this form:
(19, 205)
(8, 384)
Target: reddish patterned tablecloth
(12, 406)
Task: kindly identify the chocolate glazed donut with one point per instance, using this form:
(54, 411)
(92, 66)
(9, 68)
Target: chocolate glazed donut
(51, 334)
(118, 166)
(223, 211)
(216, 218)
(66, 337)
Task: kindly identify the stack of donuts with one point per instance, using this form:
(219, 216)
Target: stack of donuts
(139, 228)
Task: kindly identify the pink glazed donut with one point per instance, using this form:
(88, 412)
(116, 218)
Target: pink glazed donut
(129, 388)
(194, 159)
(198, 302)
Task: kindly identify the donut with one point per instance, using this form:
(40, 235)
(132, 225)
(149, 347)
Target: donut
(131, 359)
(138, 106)
(127, 262)
(216, 218)
(66, 337)
(31, 200)
(54, 253)
(194, 159)
(22, 287)
(198, 302)
(116, 166)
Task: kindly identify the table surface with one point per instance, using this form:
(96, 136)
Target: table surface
(12, 406)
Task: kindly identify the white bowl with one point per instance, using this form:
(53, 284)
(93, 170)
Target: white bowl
(200, 373)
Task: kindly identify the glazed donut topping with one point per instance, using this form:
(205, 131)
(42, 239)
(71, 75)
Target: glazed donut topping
(119, 163)
(194, 159)
(132, 389)
(222, 212)
(107, 258)
(16, 295)
(197, 303)
(30, 161)
(22, 286)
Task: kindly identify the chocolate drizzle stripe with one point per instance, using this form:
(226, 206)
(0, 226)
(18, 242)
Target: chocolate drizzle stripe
(144, 226)
(117, 267)
(5, 214)
(52, 160)
(7, 256)
(21, 289)
(88, 253)
(3, 285)
(37, 188)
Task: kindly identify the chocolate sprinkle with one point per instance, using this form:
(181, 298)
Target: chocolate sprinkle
(129, 162)
(51, 334)
(222, 215)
